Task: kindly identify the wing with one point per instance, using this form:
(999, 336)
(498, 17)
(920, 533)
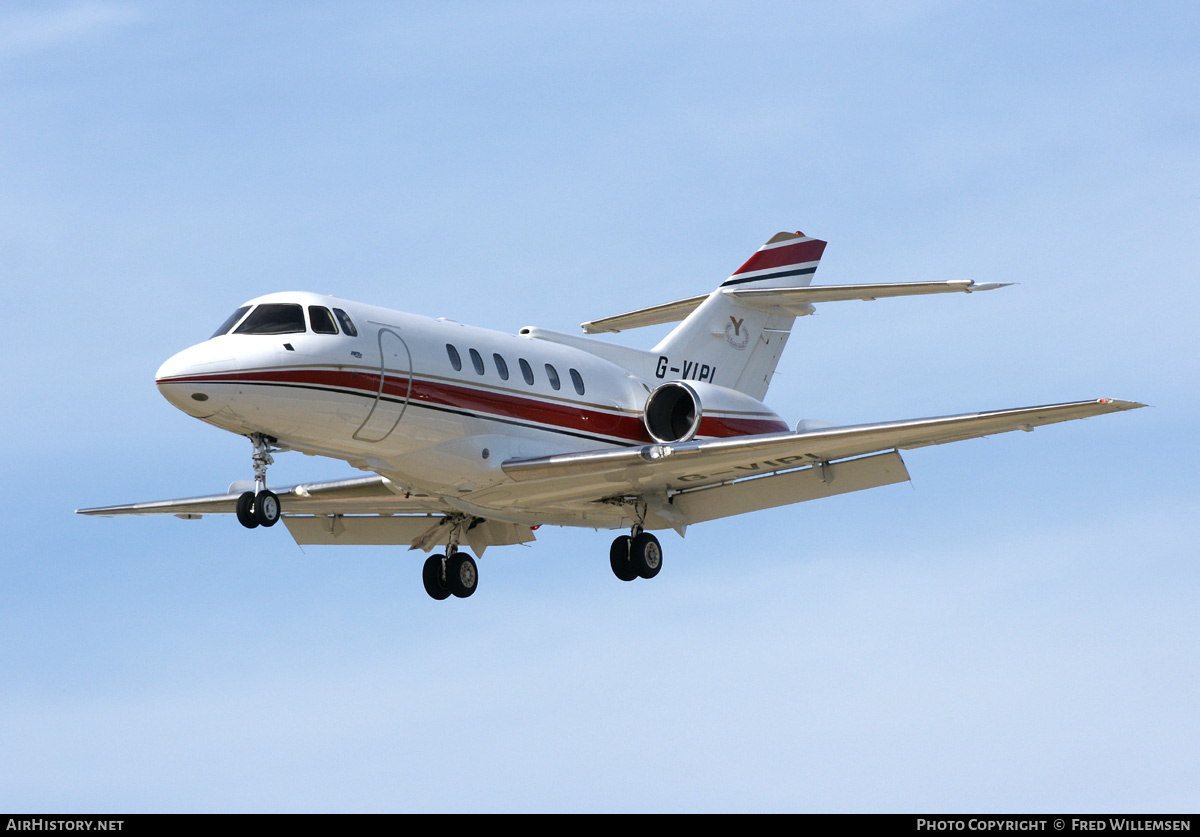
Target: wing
(669, 470)
(362, 495)
(364, 510)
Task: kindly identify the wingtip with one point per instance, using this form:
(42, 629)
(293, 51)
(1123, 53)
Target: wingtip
(1118, 404)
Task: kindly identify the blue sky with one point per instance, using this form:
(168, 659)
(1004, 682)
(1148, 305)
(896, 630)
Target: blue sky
(1015, 631)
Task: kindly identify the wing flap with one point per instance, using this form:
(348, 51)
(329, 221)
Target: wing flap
(781, 489)
(414, 531)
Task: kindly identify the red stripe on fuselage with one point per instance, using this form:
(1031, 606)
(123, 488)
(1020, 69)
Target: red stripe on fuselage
(568, 416)
(788, 254)
(725, 426)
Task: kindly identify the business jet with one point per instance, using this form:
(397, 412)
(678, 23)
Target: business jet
(475, 438)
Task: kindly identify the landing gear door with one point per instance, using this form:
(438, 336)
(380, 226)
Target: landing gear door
(395, 387)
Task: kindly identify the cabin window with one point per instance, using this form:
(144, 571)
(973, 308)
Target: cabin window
(274, 318)
(455, 360)
(232, 321)
(321, 320)
(526, 370)
(347, 323)
(552, 374)
(476, 361)
(501, 366)
(576, 380)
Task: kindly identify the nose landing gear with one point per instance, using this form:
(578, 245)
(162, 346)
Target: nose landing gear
(261, 506)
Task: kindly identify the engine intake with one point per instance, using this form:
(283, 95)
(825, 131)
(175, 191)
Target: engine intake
(673, 413)
(678, 411)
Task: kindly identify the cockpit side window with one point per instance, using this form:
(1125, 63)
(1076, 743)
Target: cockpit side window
(274, 318)
(321, 320)
(347, 323)
(231, 322)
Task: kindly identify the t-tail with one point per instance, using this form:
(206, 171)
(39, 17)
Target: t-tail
(735, 337)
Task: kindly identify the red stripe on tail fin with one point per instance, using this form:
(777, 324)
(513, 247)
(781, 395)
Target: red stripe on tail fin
(777, 253)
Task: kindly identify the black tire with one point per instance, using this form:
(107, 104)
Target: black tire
(618, 559)
(462, 574)
(431, 575)
(266, 508)
(645, 555)
(245, 510)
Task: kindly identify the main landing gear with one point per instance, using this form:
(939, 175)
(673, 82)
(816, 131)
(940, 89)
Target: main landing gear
(636, 555)
(259, 507)
(452, 574)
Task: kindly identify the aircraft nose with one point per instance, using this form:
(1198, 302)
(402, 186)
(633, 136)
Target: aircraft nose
(196, 381)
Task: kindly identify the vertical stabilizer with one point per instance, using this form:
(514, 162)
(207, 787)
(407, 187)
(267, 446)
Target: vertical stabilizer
(727, 342)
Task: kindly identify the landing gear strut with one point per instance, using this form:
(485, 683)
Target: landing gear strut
(259, 507)
(452, 574)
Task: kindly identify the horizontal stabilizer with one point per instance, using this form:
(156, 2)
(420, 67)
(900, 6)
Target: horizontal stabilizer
(670, 312)
(795, 301)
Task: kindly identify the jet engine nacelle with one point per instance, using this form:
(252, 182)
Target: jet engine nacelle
(680, 410)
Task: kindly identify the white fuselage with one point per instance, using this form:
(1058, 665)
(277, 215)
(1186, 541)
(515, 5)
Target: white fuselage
(434, 405)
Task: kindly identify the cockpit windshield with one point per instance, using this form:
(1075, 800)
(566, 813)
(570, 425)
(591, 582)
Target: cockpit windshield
(232, 321)
(347, 323)
(321, 319)
(274, 318)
